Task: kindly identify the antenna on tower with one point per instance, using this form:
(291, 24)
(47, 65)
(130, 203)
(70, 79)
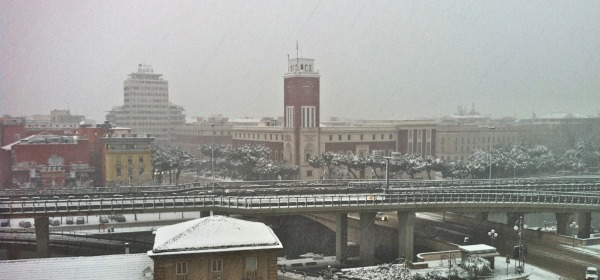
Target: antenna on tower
(296, 55)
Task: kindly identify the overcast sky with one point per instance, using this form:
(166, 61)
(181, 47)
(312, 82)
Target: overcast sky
(377, 59)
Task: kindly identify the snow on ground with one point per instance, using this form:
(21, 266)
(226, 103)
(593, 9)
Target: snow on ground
(500, 271)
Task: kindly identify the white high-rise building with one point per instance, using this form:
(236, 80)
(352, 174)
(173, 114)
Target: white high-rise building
(146, 108)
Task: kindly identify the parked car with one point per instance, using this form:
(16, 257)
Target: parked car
(103, 219)
(591, 273)
(80, 221)
(69, 220)
(54, 222)
(120, 218)
(25, 224)
(4, 223)
(381, 216)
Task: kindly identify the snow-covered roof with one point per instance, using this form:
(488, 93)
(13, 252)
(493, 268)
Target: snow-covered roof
(477, 248)
(563, 115)
(9, 146)
(97, 267)
(213, 234)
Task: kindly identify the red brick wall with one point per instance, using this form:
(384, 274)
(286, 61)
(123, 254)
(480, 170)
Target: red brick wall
(39, 153)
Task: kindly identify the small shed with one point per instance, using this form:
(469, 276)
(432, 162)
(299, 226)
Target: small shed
(481, 250)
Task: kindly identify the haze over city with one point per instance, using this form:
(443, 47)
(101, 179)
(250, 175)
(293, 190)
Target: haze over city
(377, 60)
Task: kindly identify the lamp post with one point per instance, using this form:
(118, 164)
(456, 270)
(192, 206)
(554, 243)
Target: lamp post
(387, 173)
(520, 226)
(490, 152)
(493, 235)
(574, 226)
(212, 155)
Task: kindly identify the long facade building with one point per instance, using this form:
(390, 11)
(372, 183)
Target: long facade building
(301, 135)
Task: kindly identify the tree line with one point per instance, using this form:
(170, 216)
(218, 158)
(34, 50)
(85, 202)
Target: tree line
(505, 162)
(247, 162)
(251, 162)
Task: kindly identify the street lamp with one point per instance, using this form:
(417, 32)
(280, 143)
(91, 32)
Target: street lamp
(520, 226)
(493, 235)
(490, 152)
(574, 226)
(212, 155)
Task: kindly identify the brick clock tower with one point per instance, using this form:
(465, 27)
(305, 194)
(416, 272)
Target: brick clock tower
(301, 114)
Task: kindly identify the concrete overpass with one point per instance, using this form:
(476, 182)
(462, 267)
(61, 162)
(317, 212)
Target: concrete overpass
(568, 198)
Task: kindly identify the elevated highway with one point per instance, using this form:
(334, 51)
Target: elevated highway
(566, 197)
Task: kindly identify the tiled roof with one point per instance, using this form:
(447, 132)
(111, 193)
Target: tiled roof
(214, 234)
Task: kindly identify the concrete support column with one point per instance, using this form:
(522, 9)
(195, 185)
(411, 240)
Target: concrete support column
(562, 223)
(584, 220)
(42, 236)
(12, 252)
(204, 214)
(406, 234)
(481, 216)
(367, 238)
(341, 236)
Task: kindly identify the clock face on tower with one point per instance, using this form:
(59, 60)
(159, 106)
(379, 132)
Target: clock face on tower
(308, 86)
(291, 86)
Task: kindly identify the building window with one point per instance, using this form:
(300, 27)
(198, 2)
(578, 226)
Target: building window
(330, 137)
(390, 136)
(308, 173)
(381, 136)
(373, 136)
(181, 271)
(119, 171)
(348, 137)
(361, 137)
(308, 116)
(217, 265)
(251, 263)
(306, 157)
(340, 137)
(129, 160)
(289, 116)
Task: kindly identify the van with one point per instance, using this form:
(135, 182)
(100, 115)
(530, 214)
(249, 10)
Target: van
(591, 273)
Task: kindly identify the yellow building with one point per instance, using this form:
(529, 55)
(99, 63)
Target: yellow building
(127, 160)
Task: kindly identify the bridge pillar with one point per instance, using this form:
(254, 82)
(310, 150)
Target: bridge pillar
(367, 238)
(584, 220)
(12, 252)
(562, 223)
(481, 216)
(42, 236)
(204, 214)
(341, 236)
(513, 217)
(406, 233)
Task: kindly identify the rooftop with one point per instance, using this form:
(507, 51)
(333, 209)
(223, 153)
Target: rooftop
(226, 234)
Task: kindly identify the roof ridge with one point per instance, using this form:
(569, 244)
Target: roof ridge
(178, 236)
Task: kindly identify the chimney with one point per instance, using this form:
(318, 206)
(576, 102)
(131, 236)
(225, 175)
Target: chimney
(126, 248)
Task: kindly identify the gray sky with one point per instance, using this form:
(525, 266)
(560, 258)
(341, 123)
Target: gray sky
(377, 59)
